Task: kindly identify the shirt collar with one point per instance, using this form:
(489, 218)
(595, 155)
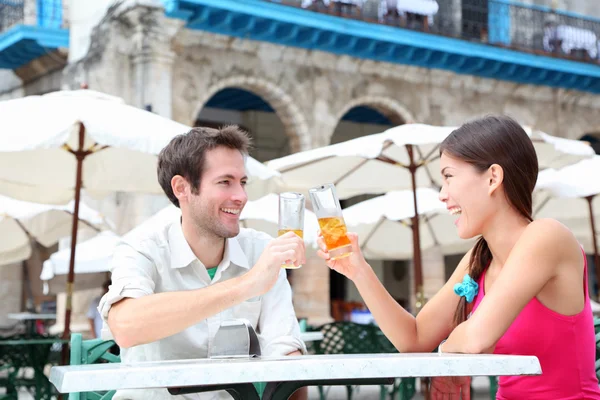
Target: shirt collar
(182, 254)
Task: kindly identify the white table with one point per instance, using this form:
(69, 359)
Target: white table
(25, 316)
(30, 319)
(311, 336)
(286, 374)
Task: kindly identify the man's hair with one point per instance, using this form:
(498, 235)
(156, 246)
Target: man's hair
(185, 154)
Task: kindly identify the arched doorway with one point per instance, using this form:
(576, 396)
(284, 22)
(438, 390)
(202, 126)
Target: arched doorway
(593, 138)
(251, 112)
(366, 116)
(274, 121)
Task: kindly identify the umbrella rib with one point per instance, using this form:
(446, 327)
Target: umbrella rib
(351, 171)
(372, 232)
(426, 158)
(29, 235)
(431, 230)
(293, 167)
(542, 204)
(83, 221)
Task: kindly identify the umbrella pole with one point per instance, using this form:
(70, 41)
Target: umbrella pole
(79, 155)
(412, 167)
(594, 240)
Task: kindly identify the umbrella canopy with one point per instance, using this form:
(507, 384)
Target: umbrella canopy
(570, 195)
(403, 157)
(383, 225)
(120, 142)
(21, 222)
(263, 215)
(556, 152)
(369, 164)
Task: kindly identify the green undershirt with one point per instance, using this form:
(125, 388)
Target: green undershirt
(212, 272)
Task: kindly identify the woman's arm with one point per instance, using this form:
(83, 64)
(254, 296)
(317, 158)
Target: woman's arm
(409, 334)
(543, 249)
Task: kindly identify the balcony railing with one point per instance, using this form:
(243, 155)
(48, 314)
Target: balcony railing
(503, 23)
(11, 13)
(41, 13)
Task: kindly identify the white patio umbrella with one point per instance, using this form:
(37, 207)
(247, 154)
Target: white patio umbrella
(263, 215)
(22, 221)
(383, 225)
(570, 195)
(47, 140)
(403, 157)
(556, 152)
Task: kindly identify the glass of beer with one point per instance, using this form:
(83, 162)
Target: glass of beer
(291, 217)
(326, 206)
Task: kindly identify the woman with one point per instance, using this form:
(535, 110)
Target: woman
(522, 289)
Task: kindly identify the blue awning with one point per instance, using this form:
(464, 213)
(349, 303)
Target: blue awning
(23, 43)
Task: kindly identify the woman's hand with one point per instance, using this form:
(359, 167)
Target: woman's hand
(450, 388)
(347, 266)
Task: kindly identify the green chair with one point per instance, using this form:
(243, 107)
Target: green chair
(91, 352)
(21, 352)
(597, 331)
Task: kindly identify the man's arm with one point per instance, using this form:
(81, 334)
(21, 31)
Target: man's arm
(136, 315)
(156, 316)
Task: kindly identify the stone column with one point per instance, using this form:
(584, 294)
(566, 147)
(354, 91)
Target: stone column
(152, 60)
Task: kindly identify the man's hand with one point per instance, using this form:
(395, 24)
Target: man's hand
(286, 249)
(451, 388)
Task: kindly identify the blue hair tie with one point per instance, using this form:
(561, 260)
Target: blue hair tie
(467, 288)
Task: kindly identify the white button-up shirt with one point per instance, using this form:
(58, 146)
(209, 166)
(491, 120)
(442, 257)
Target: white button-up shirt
(162, 261)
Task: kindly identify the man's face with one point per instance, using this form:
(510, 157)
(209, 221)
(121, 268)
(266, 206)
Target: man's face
(216, 209)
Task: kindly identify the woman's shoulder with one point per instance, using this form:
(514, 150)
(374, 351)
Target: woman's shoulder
(550, 235)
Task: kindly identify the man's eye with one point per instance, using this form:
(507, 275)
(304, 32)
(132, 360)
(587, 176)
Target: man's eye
(244, 183)
(447, 176)
(224, 183)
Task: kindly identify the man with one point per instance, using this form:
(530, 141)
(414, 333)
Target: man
(93, 314)
(172, 288)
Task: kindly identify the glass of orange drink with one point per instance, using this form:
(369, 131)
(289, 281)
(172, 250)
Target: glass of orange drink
(291, 217)
(326, 206)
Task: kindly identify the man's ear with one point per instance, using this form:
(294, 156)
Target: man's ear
(495, 178)
(180, 187)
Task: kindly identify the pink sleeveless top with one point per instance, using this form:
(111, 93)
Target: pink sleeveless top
(565, 346)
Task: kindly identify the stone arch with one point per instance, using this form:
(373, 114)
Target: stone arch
(387, 106)
(296, 127)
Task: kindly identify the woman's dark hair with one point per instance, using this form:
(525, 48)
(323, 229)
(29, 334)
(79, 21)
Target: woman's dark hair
(495, 139)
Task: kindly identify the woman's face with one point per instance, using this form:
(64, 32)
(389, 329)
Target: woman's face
(467, 195)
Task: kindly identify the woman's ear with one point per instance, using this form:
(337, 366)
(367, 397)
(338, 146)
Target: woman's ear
(495, 178)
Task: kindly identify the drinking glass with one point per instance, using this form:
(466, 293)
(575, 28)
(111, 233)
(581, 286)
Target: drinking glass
(291, 217)
(326, 206)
